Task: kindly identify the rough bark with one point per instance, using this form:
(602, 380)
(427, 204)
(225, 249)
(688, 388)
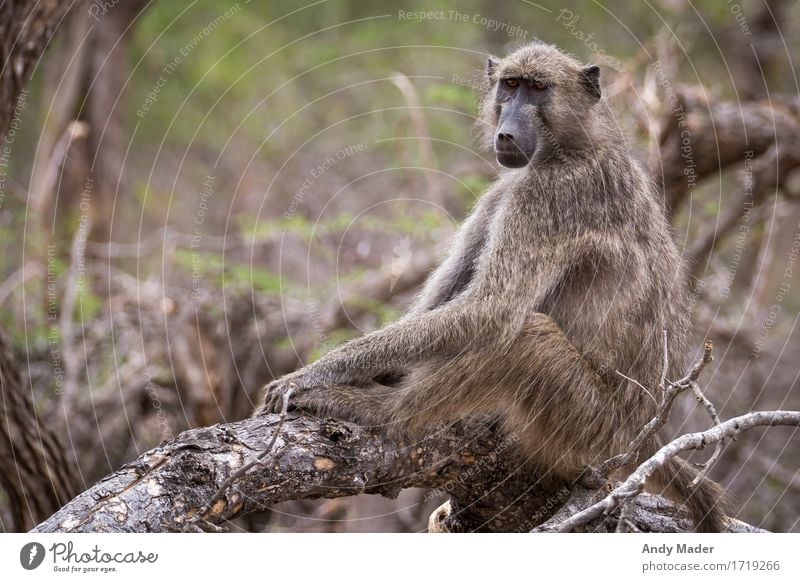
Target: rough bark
(312, 458)
(490, 489)
(26, 29)
(34, 471)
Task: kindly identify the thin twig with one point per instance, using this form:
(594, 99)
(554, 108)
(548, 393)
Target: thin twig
(698, 368)
(665, 363)
(712, 412)
(415, 109)
(164, 236)
(640, 385)
(670, 391)
(28, 271)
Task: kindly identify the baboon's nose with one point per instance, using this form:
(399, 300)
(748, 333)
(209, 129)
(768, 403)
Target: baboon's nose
(505, 137)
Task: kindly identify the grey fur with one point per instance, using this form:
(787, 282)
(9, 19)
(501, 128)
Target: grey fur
(564, 274)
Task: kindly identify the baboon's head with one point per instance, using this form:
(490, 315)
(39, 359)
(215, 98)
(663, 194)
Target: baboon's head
(539, 100)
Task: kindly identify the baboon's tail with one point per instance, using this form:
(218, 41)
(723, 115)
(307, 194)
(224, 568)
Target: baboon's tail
(707, 502)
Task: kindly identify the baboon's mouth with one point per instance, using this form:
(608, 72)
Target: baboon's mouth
(512, 158)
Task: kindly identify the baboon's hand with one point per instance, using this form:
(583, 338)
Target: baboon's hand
(275, 393)
(301, 384)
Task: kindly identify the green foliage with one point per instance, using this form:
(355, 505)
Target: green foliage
(87, 303)
(472, 187)
(209, 266)
(453, 96)
(260, 280)
(255, 230)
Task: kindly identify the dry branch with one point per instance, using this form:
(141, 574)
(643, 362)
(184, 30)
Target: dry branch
(313, 458)
(671, 390)
(323, 458)
(634, 484)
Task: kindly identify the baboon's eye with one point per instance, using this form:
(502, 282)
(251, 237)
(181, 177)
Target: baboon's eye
(537, 86)
(511, 83)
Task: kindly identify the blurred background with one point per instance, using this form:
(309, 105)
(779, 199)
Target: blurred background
(199, 197)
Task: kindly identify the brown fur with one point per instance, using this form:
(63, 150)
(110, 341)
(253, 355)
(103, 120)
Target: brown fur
(564, 273)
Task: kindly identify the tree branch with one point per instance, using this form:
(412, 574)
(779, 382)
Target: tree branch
(634, 484)
(164, 488)
(490, 488)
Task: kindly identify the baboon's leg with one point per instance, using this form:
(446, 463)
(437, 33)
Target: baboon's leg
(547, 394)
(568, 416)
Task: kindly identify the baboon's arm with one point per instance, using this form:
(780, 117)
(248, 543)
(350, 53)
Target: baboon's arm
(407, 341)
(399, 345)
(474, 318)
(457, 269)
(477, 318)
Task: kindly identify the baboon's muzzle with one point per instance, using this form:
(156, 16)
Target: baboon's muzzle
(515, 140)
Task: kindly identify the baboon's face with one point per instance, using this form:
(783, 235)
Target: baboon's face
(541, 99)
(515, 139)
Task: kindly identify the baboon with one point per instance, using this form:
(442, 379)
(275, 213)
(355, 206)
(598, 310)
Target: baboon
(562, 280)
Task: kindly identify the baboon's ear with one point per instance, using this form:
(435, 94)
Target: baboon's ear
(591, 80)
(490, 66)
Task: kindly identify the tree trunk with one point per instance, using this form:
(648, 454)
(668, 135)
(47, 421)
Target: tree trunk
(26, 29)
(109, 72)
(34, 471)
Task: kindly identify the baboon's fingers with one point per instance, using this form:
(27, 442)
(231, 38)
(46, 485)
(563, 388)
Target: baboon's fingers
(273, 398)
